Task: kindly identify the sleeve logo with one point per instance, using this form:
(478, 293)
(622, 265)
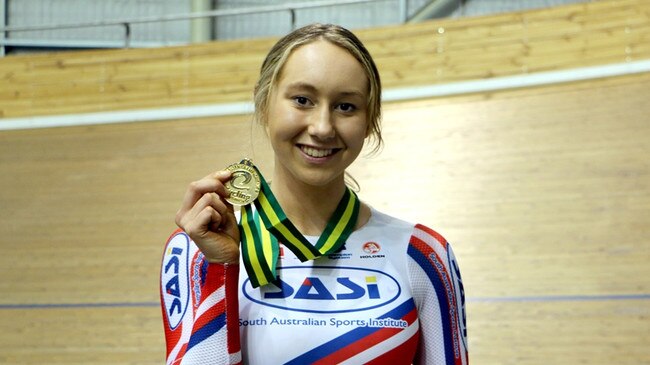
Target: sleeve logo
(175, 279)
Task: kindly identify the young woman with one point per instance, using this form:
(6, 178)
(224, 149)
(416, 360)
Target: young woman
(324, 278)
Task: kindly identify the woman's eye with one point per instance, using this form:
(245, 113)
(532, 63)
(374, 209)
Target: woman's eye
(346, 107)
(301, 100)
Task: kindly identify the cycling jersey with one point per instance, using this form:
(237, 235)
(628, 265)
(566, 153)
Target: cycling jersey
(391, 295)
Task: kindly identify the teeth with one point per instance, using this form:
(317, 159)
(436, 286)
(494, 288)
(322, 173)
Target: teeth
(314, 152)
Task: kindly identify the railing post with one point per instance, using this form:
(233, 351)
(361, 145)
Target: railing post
(3, 23)
(202, 28)
(127, 35)
(293, 18)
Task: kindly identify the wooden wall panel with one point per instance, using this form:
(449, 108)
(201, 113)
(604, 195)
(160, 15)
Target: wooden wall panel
(585, 34)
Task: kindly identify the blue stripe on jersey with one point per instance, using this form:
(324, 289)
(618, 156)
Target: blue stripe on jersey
(346, 339)
(456, 278)
(439, 287)
(206, 331)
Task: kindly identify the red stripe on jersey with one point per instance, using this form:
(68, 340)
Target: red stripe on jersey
(209, 315)
(437, 236)
(396, 355)
(172, 337)
(232, 308)
(367, 342)
(180, 355)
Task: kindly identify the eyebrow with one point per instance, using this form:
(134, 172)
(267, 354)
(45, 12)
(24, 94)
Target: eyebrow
(302, 85)
(313, 89)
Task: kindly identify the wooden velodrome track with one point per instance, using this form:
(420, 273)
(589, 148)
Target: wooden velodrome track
(544, 192)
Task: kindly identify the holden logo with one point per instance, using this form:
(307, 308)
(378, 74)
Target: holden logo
(371, 248)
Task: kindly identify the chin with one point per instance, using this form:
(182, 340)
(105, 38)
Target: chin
(319, 177)
(320, 180)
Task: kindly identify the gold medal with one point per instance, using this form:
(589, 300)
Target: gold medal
(244, 185)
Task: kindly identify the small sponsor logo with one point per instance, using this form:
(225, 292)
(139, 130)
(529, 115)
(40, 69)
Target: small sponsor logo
(199, 272)
(372, 250)
(340, 254)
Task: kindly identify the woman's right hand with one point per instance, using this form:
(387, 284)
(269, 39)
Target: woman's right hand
(209, 219)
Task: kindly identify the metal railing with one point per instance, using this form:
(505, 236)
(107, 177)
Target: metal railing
(127, 23)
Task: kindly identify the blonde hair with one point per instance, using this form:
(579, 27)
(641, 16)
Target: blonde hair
(336, 35)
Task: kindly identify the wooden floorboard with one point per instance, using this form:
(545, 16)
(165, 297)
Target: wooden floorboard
(564, 332)
(76, 336)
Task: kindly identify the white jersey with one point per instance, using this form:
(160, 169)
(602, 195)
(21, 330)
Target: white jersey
(391, 295)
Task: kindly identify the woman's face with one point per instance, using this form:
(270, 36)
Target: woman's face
(316, 117)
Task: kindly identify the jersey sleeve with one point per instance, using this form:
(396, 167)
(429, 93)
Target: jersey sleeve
(440, 299)
(200, 306)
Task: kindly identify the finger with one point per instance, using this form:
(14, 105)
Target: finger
(207, 200)
(197, 189)
(198, 228)
(222, 208)
(212, 183)
(216, 202)
(229, 225)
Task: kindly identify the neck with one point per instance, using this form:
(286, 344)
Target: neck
(308, 207)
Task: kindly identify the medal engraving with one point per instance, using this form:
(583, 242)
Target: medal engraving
(244, 185)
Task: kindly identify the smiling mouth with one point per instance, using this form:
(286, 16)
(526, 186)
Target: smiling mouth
(317, 152)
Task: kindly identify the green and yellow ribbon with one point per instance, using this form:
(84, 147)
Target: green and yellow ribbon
(260, 247)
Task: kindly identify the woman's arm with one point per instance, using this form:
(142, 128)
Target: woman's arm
(200, 305)
(199, 278)
(439, 297)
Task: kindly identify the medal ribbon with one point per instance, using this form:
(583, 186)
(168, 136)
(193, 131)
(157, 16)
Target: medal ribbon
(260, 246)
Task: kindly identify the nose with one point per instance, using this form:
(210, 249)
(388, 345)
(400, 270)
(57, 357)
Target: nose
(322, 124)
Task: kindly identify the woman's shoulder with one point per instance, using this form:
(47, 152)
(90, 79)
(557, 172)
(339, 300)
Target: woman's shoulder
(381, 219)
(419, 233)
